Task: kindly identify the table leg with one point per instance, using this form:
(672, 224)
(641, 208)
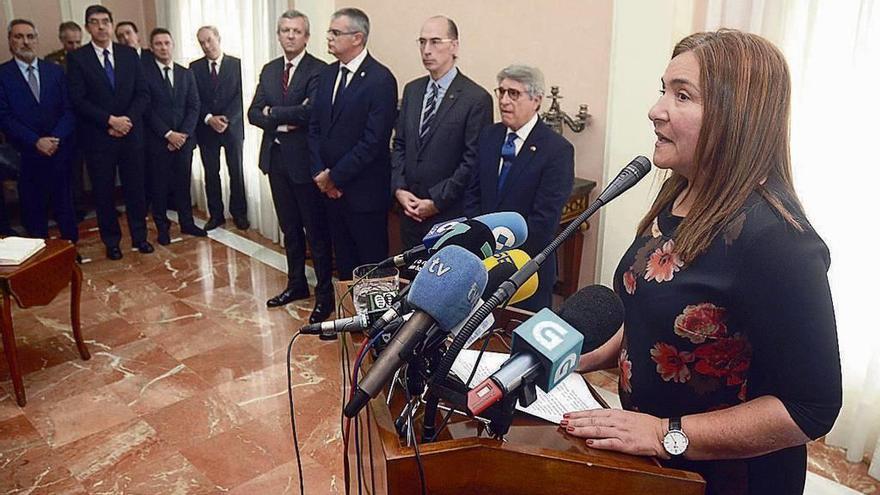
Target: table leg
(75, 291)
(11, 353)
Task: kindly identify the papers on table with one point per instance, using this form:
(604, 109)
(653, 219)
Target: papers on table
(570, 395)
(15, 250)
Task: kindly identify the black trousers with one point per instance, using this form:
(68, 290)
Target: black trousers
(171, 172)
(209, 149)
(358, 237)
(103, 165)
(45, 181)
(302, 217)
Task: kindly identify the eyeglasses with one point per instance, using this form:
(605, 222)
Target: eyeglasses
(514, 94)
(335, 33)
(433, 41)
(102, 21)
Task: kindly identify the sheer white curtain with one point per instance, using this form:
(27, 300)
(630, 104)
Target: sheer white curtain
(833, 50)
(247, 31)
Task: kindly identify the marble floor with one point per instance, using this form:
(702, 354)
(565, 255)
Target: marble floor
(185, 392)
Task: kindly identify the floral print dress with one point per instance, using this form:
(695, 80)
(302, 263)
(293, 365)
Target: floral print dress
(751, 316)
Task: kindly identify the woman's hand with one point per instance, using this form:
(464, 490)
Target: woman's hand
(621, 431)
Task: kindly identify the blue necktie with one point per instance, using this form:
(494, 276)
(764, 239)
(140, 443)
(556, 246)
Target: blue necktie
(108, 69)
(428, 112)
(508, 154)
(343, 78)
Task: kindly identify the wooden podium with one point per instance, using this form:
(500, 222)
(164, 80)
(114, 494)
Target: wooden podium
(535, 457)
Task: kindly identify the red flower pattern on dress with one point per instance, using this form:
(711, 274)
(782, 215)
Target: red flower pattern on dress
(743, 389)
(663, 263)
(727, 358)
(671, 364)
(701, 321)
(629, 282)
(625, 366)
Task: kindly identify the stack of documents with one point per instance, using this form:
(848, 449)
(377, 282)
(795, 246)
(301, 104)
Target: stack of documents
(15, 250)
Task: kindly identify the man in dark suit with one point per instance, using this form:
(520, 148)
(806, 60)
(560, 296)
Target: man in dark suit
(109, 96)
(127, 34)
(281, 107)
(221, 124)
(171, 124)
(435, 146)
(70, 36)
(349, 131)
(524, 166)
(36, 117)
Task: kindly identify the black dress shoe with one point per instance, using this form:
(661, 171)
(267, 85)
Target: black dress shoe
(289, 295)
(114, 253)
(322, 311)
(79, 259)
(194, 231)
(242, 223)
(213, 223)
(145, 247)
(164, 238)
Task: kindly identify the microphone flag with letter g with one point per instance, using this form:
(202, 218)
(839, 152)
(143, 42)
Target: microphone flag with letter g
(556, 344)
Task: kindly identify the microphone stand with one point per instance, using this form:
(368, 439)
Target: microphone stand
(632, 173)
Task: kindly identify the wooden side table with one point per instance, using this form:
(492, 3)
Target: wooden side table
(36, 282)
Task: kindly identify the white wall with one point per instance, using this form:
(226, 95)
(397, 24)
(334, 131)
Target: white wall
(643, 35)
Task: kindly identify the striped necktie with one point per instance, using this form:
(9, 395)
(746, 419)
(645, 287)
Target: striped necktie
(33, 82)
(108, 69)
(429, 112)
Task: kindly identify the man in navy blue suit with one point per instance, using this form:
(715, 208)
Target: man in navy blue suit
(282, 106)
(353, 113)
(171, 125)
(109, 96)
(524, 167)
(36, 117)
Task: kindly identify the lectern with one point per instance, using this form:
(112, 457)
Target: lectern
(535, 457)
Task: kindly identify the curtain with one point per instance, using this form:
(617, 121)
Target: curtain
(247, 31)
(833, 51)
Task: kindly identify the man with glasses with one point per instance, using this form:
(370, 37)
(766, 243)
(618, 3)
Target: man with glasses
(221, 125)
(524, 166)
(282, 106)
(36, 117)
(353, 113)
(109, 96)
(435, 145)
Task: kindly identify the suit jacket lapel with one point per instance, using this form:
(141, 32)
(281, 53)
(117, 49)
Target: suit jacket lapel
(529, 149)
(354, 84)
(414, 115)
(449, 99)
(490, 177)
(299, 76)
(98, 65)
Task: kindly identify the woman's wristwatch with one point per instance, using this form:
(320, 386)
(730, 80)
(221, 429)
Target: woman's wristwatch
(675, 442)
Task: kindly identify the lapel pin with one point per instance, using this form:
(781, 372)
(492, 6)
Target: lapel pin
(533, 148)
(363, 74)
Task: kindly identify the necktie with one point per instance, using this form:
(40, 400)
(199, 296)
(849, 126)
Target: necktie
(343, 78)
(508, 154)
(286, 81)
(428, 112)
(108, 69)
(33, 82)
(168, 82)
(214, 78)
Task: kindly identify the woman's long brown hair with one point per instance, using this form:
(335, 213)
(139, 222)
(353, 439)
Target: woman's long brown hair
(744, 136)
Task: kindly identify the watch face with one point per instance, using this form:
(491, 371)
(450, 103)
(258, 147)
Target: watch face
(675, 442)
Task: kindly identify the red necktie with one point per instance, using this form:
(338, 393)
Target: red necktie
(286, 80)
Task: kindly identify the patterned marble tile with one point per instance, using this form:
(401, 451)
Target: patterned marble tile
(71, 419)
(196, 419)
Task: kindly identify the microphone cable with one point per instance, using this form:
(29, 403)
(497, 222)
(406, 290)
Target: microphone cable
(292, 416)
(412, 435)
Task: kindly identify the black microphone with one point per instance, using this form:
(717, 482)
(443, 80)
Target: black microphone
(544, 351)
(443, 294)
(633, 172)
(350, 324)
(596, 311)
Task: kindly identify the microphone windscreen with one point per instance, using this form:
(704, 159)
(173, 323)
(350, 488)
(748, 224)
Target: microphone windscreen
(473, 236)
(595, 311)
(508, 228)
(448, 286)
(501, 266)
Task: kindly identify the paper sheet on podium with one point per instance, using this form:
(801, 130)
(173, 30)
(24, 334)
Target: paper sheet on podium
(570, 395)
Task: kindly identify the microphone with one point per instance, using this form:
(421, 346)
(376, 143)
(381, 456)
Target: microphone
(483, 235)
(633, 172)
(443, 294)
(596, 311)
(329, 328)
(502, 266)
(545, 348)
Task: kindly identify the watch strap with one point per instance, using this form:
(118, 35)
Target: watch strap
(675, 423)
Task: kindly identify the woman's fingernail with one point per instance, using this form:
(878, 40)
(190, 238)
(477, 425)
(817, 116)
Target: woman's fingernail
(565, 415)
(570, 428)
(589, 442)
(563, 422)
